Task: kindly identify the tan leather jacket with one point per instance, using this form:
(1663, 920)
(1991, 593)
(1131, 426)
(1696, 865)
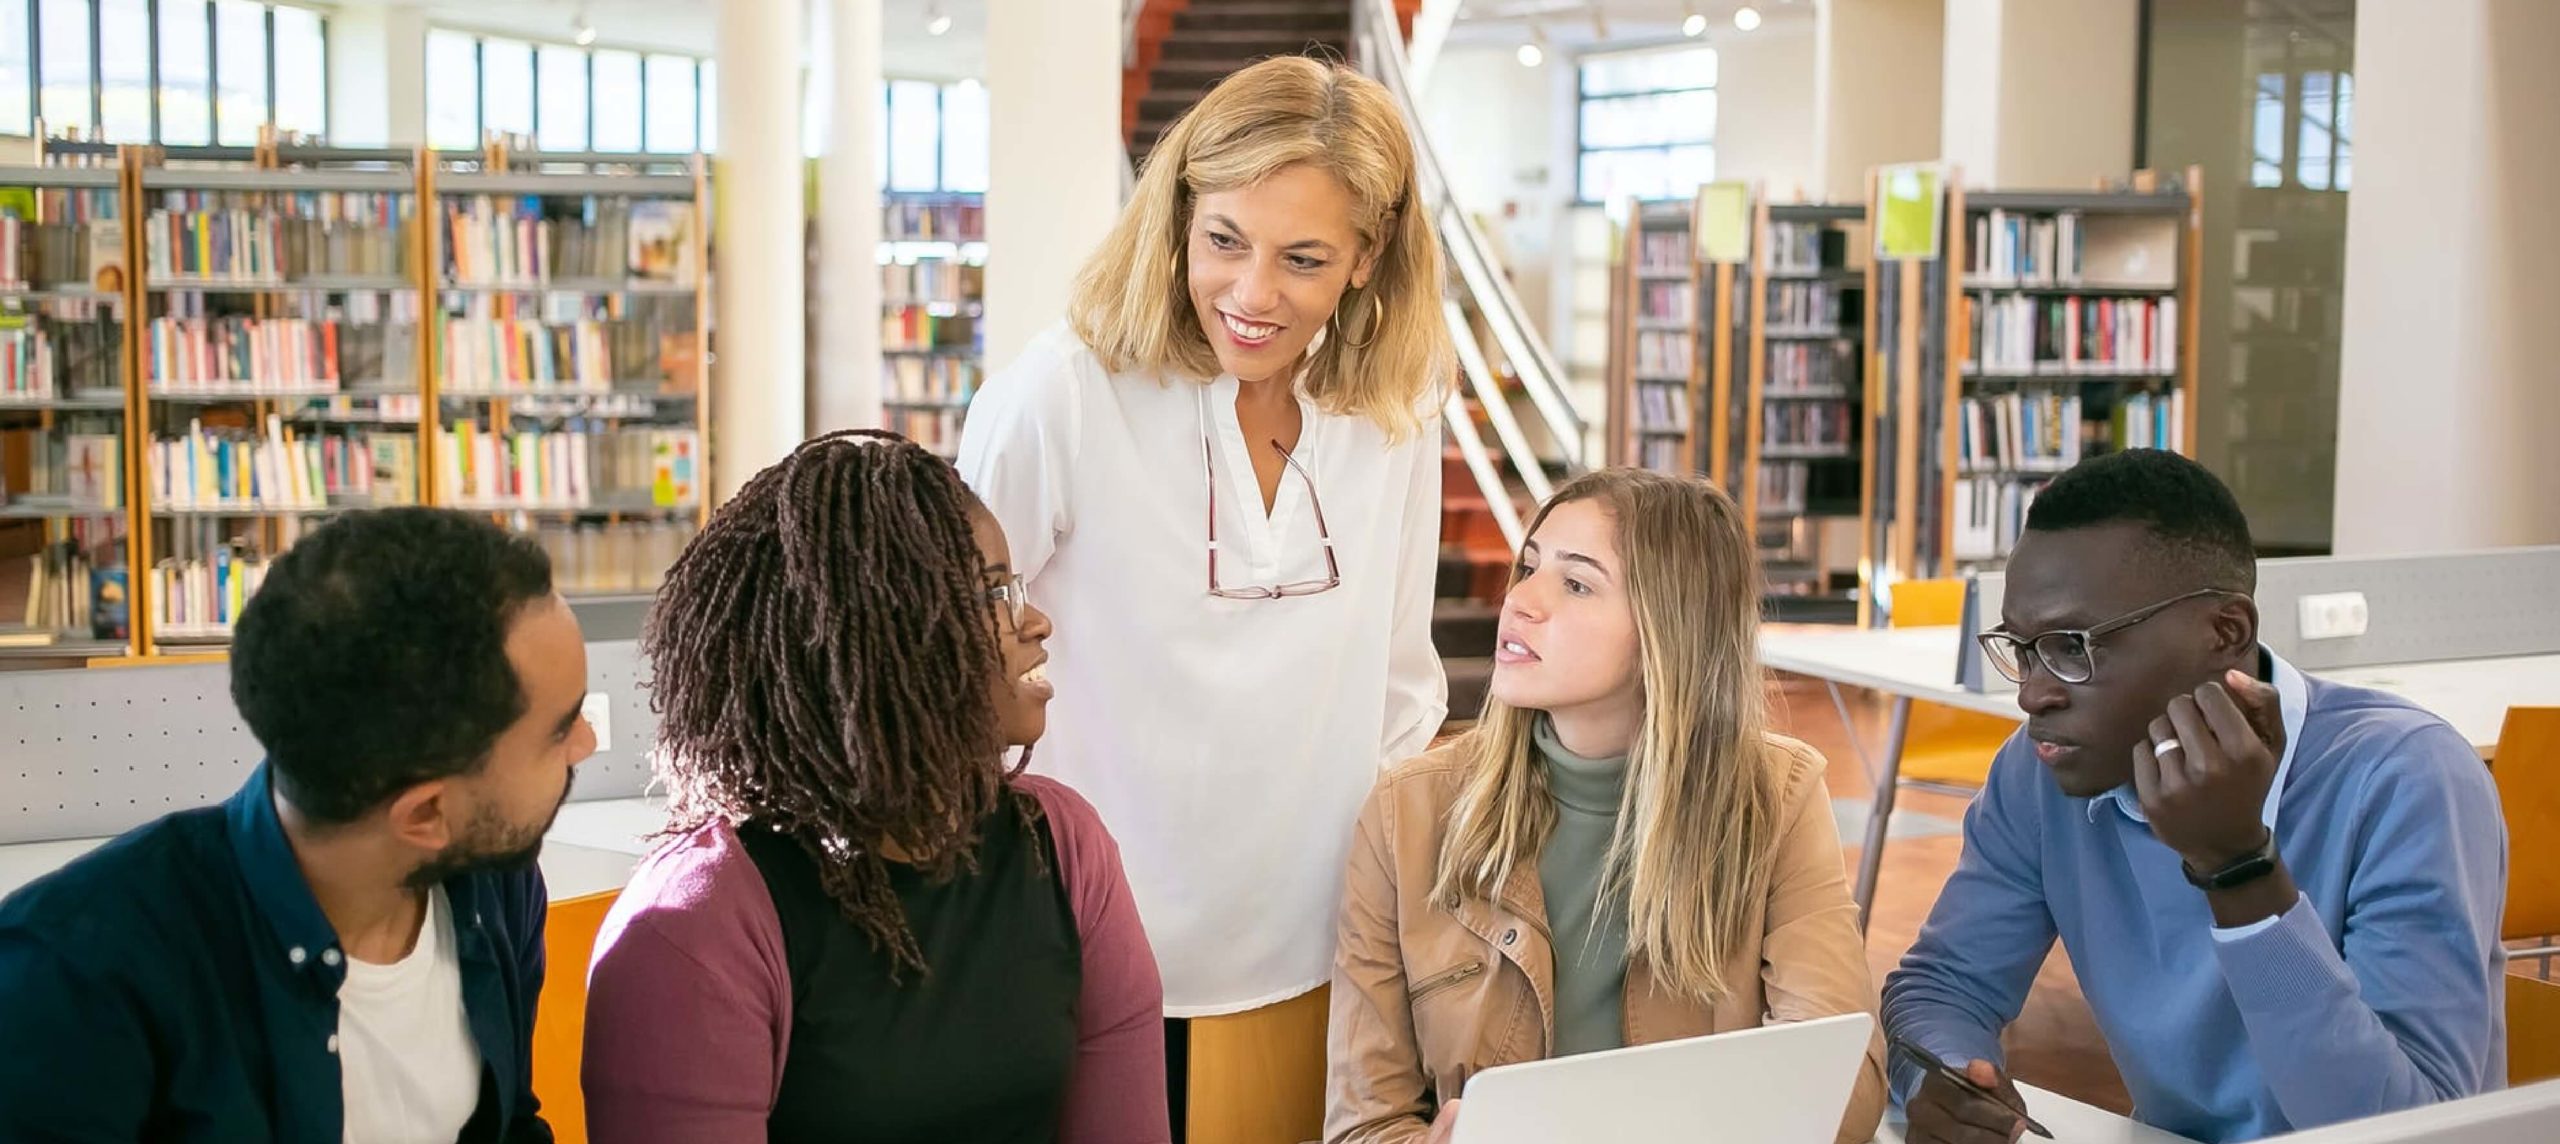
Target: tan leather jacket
(1424, 997)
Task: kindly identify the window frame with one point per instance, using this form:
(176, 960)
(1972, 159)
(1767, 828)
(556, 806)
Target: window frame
(1582, 100)
(32, 14)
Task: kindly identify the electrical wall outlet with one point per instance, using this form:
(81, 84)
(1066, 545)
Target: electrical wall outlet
(599, 713)
(2334, 616)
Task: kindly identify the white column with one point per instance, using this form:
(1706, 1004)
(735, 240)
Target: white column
(848, 303)
(1876, 66)
(378, 77)
(1053, 177)
(2446, 399)
(759, 409)
(2039, 93)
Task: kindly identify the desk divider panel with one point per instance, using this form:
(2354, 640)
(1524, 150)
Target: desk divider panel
(91, 753)
(2420, 609)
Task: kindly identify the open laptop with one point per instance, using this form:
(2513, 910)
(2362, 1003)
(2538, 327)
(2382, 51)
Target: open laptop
(2528, 1115)
(1777, 1084)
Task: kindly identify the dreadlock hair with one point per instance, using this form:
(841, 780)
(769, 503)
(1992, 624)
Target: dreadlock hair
(825, 667)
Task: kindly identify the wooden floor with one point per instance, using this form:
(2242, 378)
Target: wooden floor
(2055, 1043)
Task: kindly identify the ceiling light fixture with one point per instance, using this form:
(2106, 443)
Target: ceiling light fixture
(1531, 55)
(582, 27)
(936, 21)
(1746, 17)
(1694, 27)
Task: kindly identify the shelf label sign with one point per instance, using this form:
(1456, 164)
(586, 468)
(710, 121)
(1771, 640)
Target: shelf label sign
(1908, 198)
(1724, 222)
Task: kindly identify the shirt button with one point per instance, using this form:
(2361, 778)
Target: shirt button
(296, 955)
(329, 957)
(333, 1044)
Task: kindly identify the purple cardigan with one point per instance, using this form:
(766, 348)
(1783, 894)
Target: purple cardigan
(689, 1000)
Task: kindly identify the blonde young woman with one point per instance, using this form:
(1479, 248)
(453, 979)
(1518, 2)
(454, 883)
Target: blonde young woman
(1222, 476)
(1620, 854)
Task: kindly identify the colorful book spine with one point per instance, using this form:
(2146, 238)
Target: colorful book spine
(231, 470)
(213, 354)
(518, 354)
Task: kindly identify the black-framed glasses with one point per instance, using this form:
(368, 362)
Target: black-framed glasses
(2070, 655)
(1013, 594)
(1332, 568)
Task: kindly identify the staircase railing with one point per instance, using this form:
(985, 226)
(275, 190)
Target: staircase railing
(1477, 281)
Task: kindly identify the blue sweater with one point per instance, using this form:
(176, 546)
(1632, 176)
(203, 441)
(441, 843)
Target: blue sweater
(2381, 989)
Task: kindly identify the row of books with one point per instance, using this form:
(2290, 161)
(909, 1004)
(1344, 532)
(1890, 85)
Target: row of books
(1784, 486)
(2066, 248)
(2029, 432)
(62, 596)
(592, 558)
(2022, 334)
(74, 467)
(928, 381)
(1989, 514)
(229, 245)
(1805, 427)
(77, 206)
(1805, 247)
(1666, 302)
(1664, 354)
(932, 280)
(919, 328)
(632, 470)
(57, 254)
(2151, 421)
(492, 240)
(1796, 367)
(1662, 454)
(236, 469)
(515, 353)
(1803, 306)
(935, 429)
(388, 409)
(1662, 409)
(909, 220)
(207, 354)
(41, 360)
(1663, 252)
(200, 597)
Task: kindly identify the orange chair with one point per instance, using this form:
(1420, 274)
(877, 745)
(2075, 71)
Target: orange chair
(1944, 745)
(560, 1024)
(2527, 770)
(2533, 1030)
(1257, 1077)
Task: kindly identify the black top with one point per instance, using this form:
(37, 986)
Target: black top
(181, 984)
(980, 1047)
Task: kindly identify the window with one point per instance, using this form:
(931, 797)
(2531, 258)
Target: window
(964, 136)
(567, 98)
(174, 72)
(1647, 125)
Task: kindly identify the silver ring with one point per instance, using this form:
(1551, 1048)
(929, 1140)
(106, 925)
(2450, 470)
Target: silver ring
(2162, 748)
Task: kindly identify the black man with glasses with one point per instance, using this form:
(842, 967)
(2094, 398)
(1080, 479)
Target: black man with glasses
(2281, 895)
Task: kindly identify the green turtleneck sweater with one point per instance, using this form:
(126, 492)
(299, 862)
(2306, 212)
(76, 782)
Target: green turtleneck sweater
(1589, 938)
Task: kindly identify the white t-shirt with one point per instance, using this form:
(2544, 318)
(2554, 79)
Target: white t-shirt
(408, 1065)
(1228, 743)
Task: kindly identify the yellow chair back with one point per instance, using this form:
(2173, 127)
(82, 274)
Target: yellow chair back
(2527, 770)
(1943, 744)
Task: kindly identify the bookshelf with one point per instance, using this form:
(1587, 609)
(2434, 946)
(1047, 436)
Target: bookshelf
(2052, 326)
(933, 256)
(65, 516)
(1656, 371)
(366, 328)
(1797, 318)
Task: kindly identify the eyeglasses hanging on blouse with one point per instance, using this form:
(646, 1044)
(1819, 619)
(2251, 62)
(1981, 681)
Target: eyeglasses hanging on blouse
(1333, 569)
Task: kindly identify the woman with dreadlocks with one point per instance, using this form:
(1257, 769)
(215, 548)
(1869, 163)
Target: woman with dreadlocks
(860, 925)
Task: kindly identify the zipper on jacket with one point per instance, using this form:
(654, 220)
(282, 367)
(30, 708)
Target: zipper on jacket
(1444, 980)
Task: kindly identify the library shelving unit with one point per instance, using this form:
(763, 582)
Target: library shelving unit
(321, 329)
(1656, 371)
(1795, 408)
(65, 409)
(933, 256)
(568, 388)
(2053, 326)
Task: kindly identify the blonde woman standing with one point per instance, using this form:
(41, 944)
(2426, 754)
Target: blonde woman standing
(1222, 477)
(1620, 854)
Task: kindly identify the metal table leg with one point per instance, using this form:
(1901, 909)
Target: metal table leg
(1888, 779)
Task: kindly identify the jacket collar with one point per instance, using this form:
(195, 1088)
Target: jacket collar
(305, 940)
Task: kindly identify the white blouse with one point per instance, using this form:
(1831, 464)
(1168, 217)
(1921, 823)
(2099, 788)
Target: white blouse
(1228, 743)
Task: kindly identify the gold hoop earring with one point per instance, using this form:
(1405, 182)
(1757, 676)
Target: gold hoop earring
(1377, 319)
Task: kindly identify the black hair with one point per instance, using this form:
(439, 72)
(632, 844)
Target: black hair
(374, 657)
(2194, 521)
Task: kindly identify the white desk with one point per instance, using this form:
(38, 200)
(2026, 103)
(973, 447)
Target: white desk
(2071, 1121)
(591, 848)
(1920, 664)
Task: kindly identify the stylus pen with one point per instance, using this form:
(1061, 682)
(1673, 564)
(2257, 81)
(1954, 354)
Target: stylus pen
(1928, 1060)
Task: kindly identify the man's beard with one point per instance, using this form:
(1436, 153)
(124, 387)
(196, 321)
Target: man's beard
(489, 844)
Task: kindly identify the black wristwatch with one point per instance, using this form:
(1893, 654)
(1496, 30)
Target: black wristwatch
(2241, 871)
